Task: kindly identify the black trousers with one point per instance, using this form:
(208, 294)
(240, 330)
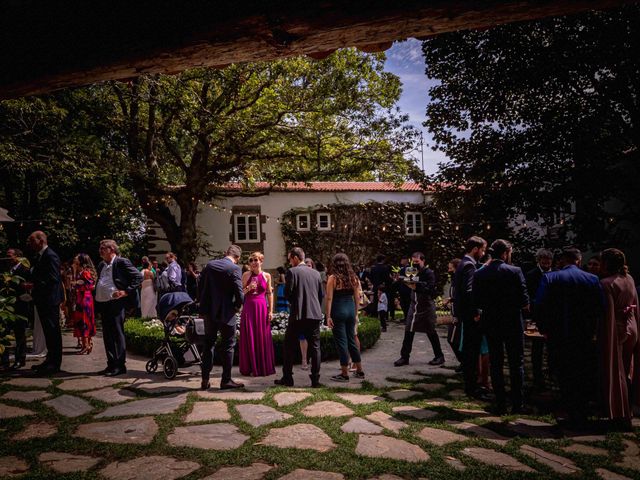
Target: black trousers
(228, 338)
(471, 340)
(50, 320)
(513, 344)
(383, 315)
(575, 362)
(407, 344)
(453, 339)
(537, 360)
(311, 331)
(112, 314)
(20, 334)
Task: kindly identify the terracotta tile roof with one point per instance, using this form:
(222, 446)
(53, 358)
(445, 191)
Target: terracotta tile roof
(331, 187)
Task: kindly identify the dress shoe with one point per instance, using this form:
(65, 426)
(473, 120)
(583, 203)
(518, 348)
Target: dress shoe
(437, 361)
(40, 366)
(17, 365)
(283, 382)
(401, 362)
(104, 371)
(230, 385)
(48, 370)
(205, 385)
(459, 369)
(115, 372)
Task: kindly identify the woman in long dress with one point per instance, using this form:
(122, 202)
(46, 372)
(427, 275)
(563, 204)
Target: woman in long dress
(257, 357)
(148, 296)
(83, 317)
(619, 342)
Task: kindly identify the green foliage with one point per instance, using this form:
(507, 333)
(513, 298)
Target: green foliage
(8, 316)
(144, 340)
(542, 118)
(365, 230)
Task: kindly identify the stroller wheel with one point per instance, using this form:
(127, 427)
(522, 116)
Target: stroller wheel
(170, 367)
(151, 366)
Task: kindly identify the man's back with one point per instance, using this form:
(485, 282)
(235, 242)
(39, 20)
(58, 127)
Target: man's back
(380, 274)
(304, 291)
(462, 284)
(569, 303)
(500, 291)
(220, 290)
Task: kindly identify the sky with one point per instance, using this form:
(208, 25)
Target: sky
(405, 60)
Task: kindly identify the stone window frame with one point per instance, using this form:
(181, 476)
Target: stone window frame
(236, 229)
(411, 225)
(319, 227)
(308, 227)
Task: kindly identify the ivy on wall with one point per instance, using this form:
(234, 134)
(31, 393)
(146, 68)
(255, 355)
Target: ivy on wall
(364, 230)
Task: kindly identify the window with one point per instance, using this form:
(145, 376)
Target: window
(324, 221)
(247, 228)
(413, 224)
(303, 222)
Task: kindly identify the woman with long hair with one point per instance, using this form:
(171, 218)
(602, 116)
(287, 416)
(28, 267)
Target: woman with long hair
(148, 295)
(618, 338)
(84, 322)
(342, 301)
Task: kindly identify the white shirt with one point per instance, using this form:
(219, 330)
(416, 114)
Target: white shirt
(382, 302)
(105, 286)
(174, 273)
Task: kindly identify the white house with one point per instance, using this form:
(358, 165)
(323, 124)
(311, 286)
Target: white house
(253, 222)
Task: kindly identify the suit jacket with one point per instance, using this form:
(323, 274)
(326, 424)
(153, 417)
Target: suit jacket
(45, 275)
(303, 289)
(569, 304)
(220, 291)
(380, 273)
(422, 310)
(126, 277)
(500, 291)
(462, 286)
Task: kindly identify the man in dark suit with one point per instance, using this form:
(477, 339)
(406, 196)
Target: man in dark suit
(47, 295)
(569, 304)
(303, 289)
(544, 260)
(422, 313)
(116, 292)
(21, 306)
(221, 296)
(500, 292)
(467, 314)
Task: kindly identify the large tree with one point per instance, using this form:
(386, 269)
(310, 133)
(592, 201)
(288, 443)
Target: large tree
(542, 118)
(181, 137)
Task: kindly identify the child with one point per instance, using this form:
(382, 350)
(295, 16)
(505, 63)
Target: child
(383, 307)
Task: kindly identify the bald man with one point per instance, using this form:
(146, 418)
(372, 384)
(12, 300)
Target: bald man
(47, 296)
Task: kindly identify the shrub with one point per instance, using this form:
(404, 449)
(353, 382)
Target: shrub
(144, 339)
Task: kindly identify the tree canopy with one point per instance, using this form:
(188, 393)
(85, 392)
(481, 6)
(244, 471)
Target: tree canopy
(542, 118)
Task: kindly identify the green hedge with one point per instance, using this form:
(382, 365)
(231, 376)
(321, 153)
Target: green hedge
(144, 341)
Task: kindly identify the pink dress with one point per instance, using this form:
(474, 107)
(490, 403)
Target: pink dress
(256, 345)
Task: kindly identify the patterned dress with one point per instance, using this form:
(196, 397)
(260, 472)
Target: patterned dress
(84, 322)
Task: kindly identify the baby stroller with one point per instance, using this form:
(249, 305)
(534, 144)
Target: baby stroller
(177, 311)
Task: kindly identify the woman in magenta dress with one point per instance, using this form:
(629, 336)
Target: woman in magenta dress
(84, 323)
(256, 345)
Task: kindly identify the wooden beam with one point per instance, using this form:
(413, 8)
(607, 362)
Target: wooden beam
(47, 45)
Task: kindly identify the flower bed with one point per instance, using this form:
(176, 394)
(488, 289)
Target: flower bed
(144, 336)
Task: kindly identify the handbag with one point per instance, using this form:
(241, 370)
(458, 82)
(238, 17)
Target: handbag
(364, 301)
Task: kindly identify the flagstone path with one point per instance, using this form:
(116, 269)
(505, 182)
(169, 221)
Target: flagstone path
(391, 427)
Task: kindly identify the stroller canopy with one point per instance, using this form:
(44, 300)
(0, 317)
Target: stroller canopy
(172, 301)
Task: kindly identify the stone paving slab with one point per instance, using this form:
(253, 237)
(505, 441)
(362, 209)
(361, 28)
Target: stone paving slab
(479, 431)
(302, 474)
(359, 398)
(133, 430)
(283, 399)
(525, 427)
(439, 436)
(36, 430)
(430, 371)
(215, 436)
(91, 383)
(402, 394)
(429, 387)
(69, 406)
(387, 421)
(497, 459)
(34, 382)
(455, 463)
(256, 471)
(327, 408)
(438, 402)
(26, 396)
(9, 411)
(380, 446)
(555, 462)
(207, 411)
(111, 395)
(143, 468)
(12, 467)
(609, 475)
(630, 455)
(585, 450)
(360, 425)
(62, 462)
(259, 415)
(387, 476)
(415, 412)
(302, 436)
(231, 395)
(148, 406)
(161, 385)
